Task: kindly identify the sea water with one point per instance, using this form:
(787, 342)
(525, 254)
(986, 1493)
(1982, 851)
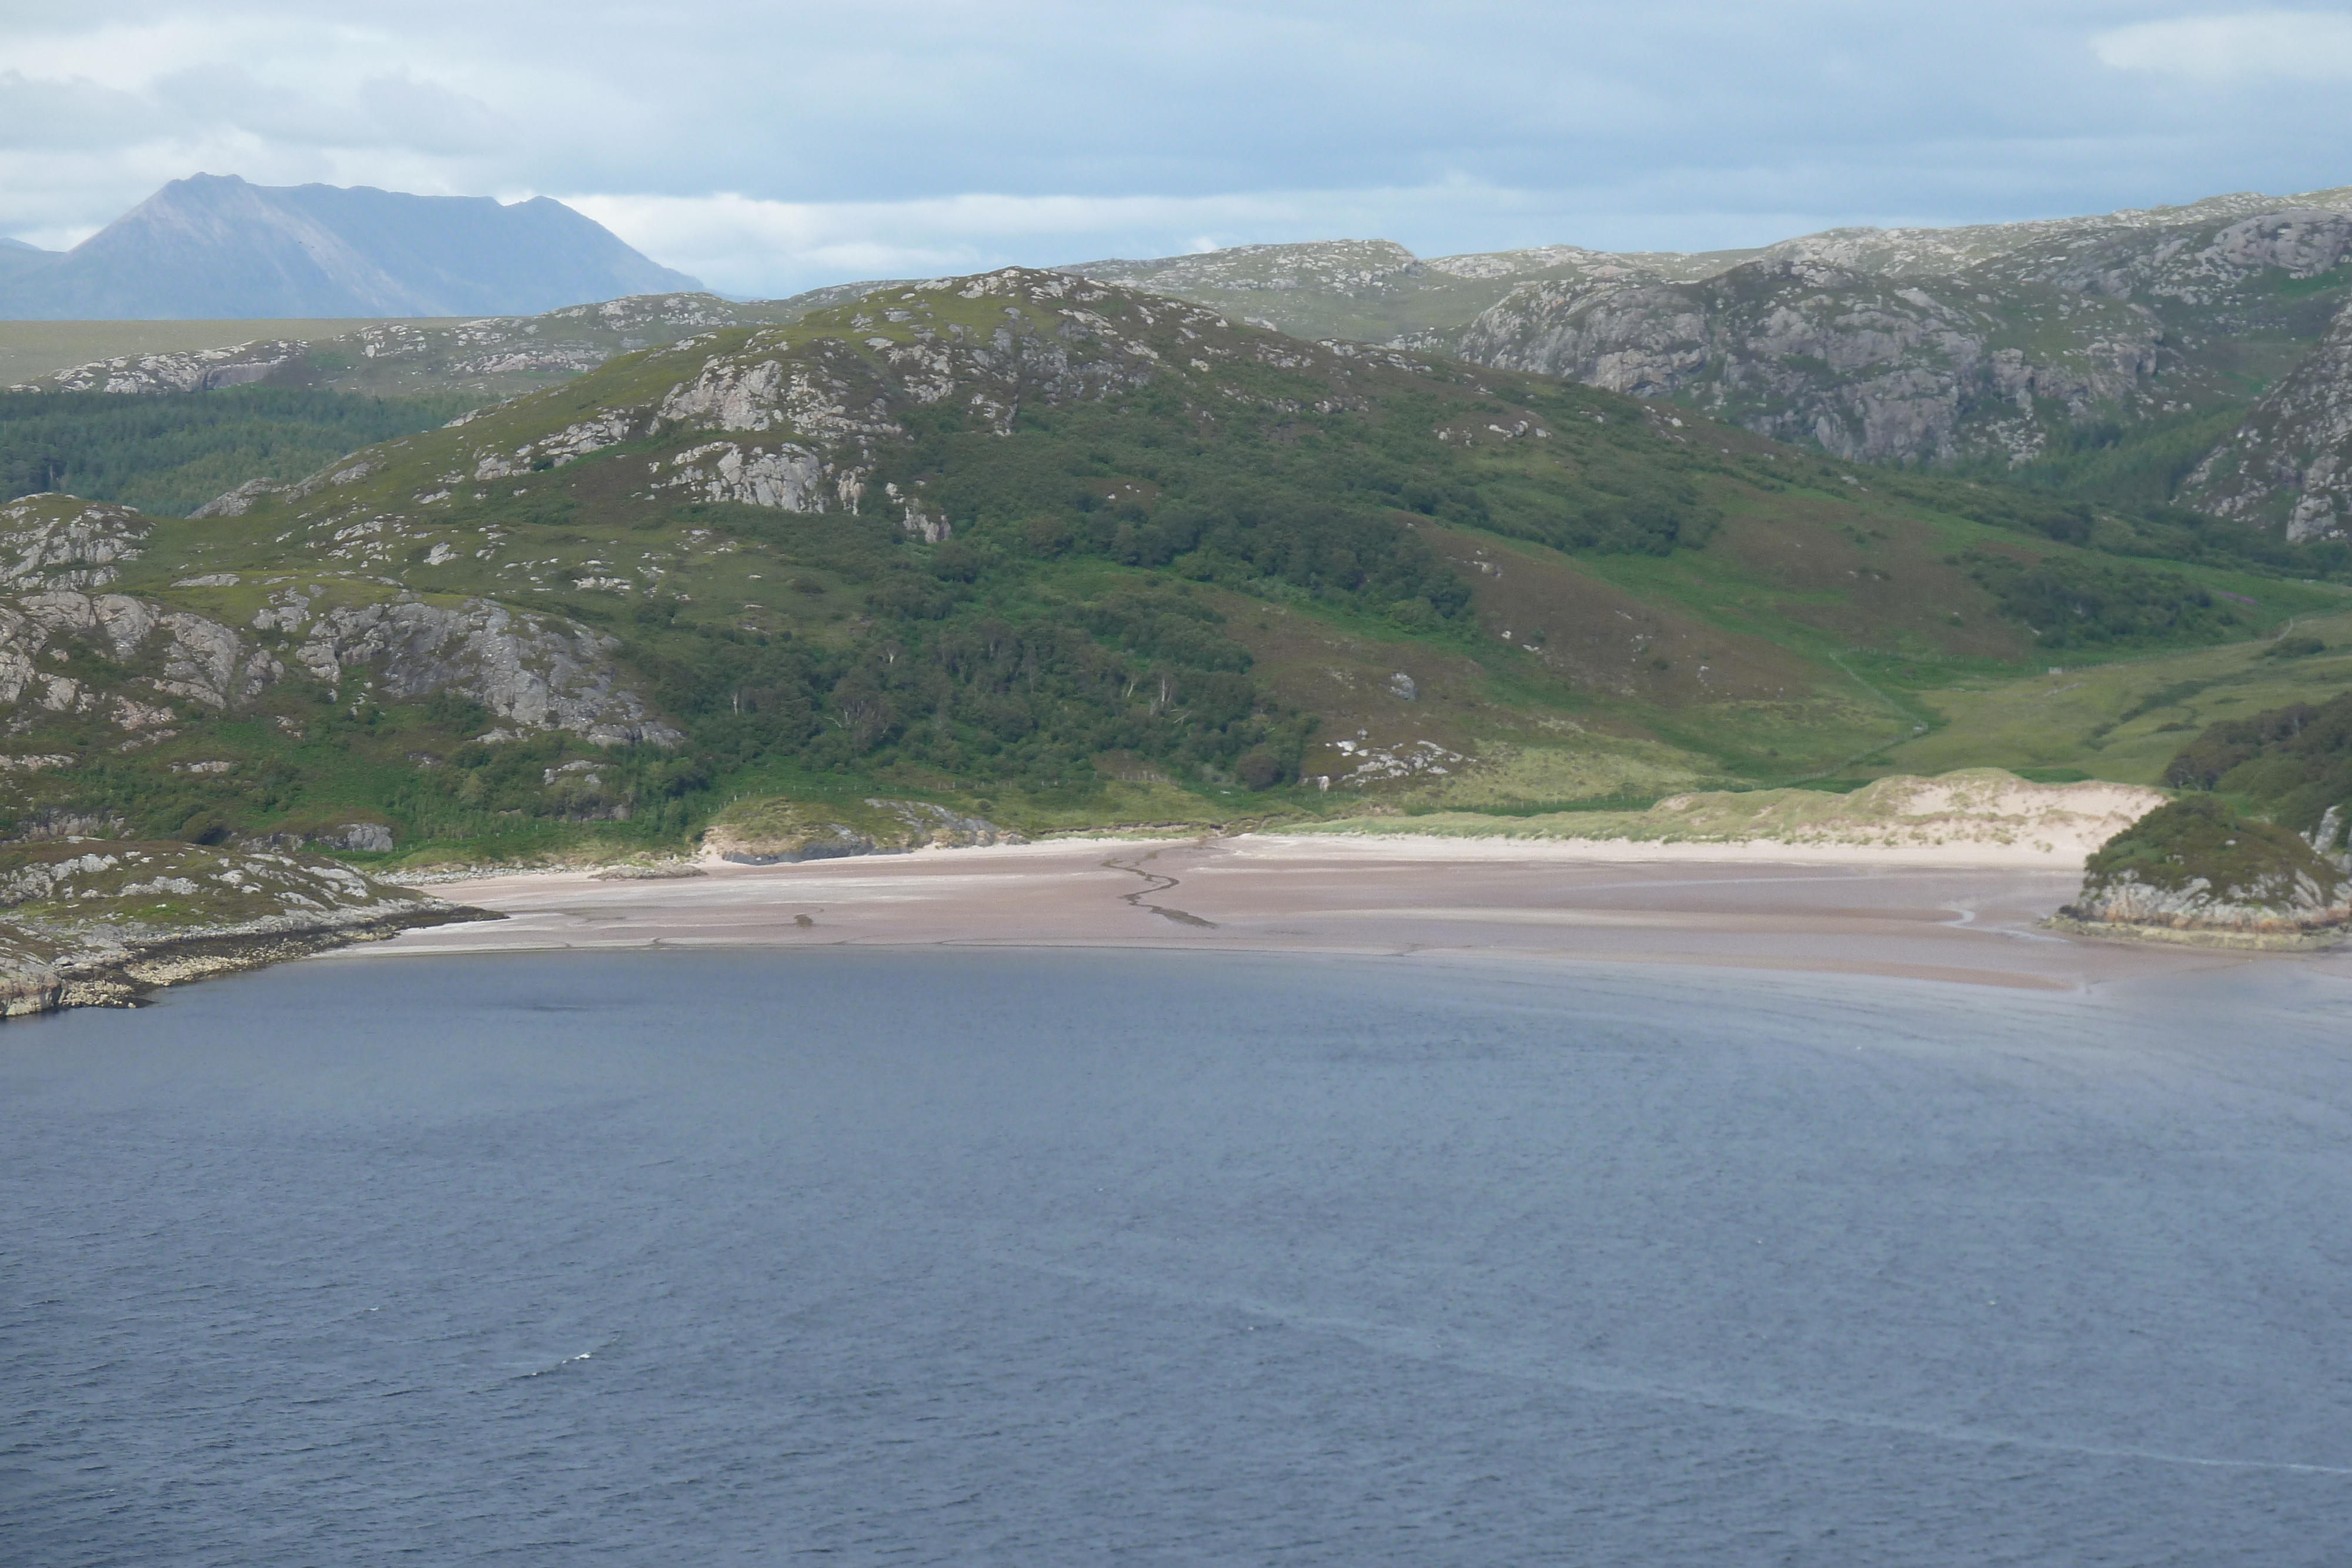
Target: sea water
(1040, 1258)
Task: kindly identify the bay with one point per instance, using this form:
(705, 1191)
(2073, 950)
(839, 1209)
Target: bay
(1046, 1257)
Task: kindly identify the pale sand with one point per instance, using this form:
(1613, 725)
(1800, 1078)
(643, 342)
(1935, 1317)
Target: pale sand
(1908, 912)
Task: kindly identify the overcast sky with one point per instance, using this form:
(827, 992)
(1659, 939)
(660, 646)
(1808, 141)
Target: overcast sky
(770, 147)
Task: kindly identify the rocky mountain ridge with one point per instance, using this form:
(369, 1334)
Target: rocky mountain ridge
(1992, 344)
(215, 246)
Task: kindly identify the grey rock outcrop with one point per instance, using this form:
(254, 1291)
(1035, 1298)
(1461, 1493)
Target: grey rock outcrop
(2289, 464)
(86, 924)
(820, 408)
(1888, 345)
(2288, 901)
(179, 656)
(64, 541)
(533, 672)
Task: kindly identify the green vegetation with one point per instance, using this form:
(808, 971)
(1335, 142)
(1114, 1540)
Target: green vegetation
(2133, 466)
(169, 453)
(2201, 838)
(2076, 603)
(2293, 764)
(1233, 576)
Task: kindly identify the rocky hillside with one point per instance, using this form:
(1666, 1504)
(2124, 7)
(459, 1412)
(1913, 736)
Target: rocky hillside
(1997, 358)
(1375, 291)
(2114, 349)
(1007, 553)
(215, 246)
(2288, 466)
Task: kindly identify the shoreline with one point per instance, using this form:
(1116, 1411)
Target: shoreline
(1972, 913)
(126, 975)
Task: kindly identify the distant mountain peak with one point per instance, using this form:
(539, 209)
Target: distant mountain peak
(218, 247)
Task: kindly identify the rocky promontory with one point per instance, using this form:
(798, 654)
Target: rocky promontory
(102, 922)
(2196, 870)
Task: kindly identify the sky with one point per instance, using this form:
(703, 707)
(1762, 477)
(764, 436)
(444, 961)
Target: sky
(776, 146)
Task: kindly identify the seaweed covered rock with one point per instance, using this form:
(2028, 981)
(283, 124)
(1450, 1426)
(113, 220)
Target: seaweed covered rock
(2196, 865)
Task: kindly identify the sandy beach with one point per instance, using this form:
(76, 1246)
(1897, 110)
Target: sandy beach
(1921, 913)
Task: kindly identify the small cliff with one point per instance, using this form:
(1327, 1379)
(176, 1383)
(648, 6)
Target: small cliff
(2195, 869)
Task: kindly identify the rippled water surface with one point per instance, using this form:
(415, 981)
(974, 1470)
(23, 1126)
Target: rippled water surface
(1072, 1259)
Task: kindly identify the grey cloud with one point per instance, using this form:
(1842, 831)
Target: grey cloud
(71, 116)
(1683, 122)
(429, 117)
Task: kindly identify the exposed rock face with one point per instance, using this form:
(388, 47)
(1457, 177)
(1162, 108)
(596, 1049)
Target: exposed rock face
(819, 408)
(1801, 346)
(1903, 345)
(2290, 463)
(534, 673)
(779, 831)
(181, 656)
(531, 672)
(239, 501)
(2196, 865)
(65, 541)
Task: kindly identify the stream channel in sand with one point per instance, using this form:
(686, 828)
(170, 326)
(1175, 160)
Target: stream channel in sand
(1912, 914)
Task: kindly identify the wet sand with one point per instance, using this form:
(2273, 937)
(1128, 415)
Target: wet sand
(1852, 912)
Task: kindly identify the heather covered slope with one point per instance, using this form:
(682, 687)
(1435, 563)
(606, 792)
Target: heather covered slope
(1042, 553)
(2104, 356)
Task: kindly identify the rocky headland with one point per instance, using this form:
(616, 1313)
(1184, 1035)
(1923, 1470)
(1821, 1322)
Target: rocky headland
(101, 923)
(2196, 870)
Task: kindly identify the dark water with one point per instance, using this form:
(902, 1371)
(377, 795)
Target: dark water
(1040, 1259)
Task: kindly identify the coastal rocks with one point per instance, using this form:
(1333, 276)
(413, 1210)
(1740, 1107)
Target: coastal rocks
(533, 672)
(101, 922)
(2195, 869)
(774, 832)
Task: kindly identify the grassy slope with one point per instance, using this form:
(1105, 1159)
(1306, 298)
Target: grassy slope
(1823, 618)
(2124, 719)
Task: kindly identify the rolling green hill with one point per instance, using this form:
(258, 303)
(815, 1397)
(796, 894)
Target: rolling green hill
(1050, 553)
